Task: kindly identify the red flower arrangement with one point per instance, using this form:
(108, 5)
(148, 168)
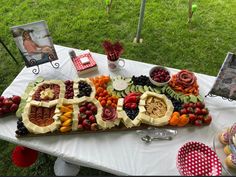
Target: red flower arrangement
(113, 51)
(23, 156)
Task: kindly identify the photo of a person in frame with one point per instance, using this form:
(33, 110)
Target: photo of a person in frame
(33, 48)
(34, 43)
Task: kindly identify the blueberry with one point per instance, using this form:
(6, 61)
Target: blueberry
(79, 95)
(20, 123)
(87, 94)
(17, 132)
(19, 126)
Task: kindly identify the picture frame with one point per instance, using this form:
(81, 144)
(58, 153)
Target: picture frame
(225, 83)
(34, 43)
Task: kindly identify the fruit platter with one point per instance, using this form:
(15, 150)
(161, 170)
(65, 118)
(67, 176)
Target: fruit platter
(104, 103)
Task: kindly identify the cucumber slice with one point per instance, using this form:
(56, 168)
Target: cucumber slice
(151, 89)
(114, 93)
(29, 87)
(182, 98)
(146, 88)
(192, 98)
(172, 94)
(168, 89)
(156, 90)
(186, 99)
(39, 79)
(136, 88)
(127, 90)
(110, 89)
(118, 94)
(141, 89)
(175, 96)
(200, 98)
(123, 94)
(20, 110)
(132, 89)
(163, 89)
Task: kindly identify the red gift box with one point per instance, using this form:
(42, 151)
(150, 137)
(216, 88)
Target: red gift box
(84, 63)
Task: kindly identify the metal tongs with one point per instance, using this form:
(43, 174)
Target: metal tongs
(153, 133)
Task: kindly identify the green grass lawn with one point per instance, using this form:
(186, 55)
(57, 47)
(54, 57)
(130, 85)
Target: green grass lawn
(167, 40)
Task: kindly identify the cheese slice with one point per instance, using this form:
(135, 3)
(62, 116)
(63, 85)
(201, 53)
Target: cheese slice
(160, 121)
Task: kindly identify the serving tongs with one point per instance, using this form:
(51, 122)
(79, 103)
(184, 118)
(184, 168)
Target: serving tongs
(154, 133)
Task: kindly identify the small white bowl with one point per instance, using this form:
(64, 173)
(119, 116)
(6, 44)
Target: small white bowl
(159, 84)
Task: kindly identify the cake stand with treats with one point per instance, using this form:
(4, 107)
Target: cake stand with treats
(225, 146)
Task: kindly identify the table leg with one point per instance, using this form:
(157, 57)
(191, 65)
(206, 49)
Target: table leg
(64, 168)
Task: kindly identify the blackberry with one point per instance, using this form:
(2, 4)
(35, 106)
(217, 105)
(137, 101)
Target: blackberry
(177, 104)
(84, 89)
(20, 123)
(69, 94)
(132, 113)
(21, 129)
(141, 80)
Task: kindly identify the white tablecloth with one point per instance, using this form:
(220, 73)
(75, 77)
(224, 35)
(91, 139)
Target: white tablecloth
(120, 153)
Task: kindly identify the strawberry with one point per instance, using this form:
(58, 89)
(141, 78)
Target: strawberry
(83, 116)
(200, 105)
(14, 107)
(204, 111)
(200, 117)
(134, 94)
(88, 112)
(192, 117)
(94, 109)
(128, 105)
(130, 99)
(198, 122)
(133, 106)
(1, 112)
(86, 124)
(16, 99)
(7, 102)
(82, 109)
(1, 98)
(185, 105)
(207, 119)
(191, 104)
(197, 111)
(5, 109)
(90, 105)
(94, 126)
(80, 127)
(92, 119)
(183, 111)
(189, 110)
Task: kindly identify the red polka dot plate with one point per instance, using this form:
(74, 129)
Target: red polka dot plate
(198, 159)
